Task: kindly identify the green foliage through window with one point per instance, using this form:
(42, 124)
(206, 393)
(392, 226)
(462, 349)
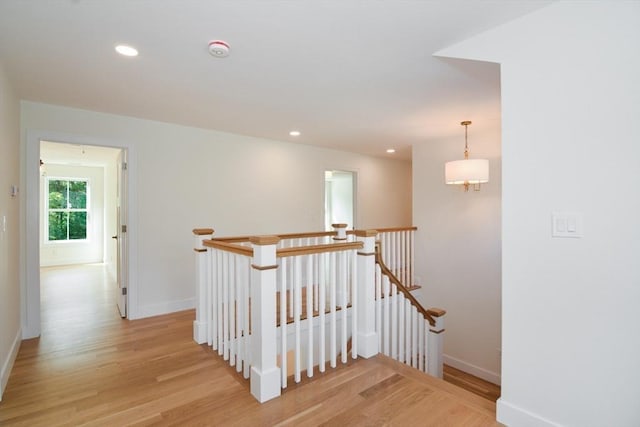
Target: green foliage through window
(67, 209)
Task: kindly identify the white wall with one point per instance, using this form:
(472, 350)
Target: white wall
(458, 247)
(187, 177)
(76, 252)
(571, 100)
(10, 332)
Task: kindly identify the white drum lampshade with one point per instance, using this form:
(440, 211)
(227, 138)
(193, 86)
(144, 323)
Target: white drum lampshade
(472, 171)
(468, 171)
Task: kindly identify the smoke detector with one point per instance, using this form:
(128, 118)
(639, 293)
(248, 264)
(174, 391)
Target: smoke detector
(219, 48)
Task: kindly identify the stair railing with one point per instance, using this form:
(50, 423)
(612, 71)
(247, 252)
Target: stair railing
(261, 299)
(406, 331)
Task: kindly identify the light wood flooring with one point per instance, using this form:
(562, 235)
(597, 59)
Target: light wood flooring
(92, 368)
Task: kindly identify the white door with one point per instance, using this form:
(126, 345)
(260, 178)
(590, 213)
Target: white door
(121, 234)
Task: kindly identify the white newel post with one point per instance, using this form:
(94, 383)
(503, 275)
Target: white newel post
(435, 343)
(341, 231)
(367, 337)
(265, 373)
(200, 324)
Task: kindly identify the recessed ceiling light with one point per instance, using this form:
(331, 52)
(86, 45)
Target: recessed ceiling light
(391, 150)
(125, 50)
(294, 133)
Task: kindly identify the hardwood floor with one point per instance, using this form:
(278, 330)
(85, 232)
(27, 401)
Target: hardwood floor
(473, 384)
(92, 368)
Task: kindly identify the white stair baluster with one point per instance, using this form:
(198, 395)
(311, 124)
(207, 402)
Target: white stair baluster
(225, 307)
(283, 321)
(309, 293)
(343, 303)
(322, 307)
(332, 315)
(354, 304)
(297, 306)
(401, 328)
(387, 314)
(378, 307)
(394, 322)
(220, 303)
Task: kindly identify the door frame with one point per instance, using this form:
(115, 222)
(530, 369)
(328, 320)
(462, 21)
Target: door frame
(30, 229)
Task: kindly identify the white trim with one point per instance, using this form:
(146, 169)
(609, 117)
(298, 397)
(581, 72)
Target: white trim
(166, 307)
(492, 377)
(511, 415)
(30, 285)
(8, 364)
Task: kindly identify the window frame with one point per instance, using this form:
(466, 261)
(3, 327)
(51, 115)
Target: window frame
(86, 209)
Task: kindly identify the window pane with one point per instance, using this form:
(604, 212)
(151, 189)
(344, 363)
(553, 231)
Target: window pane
(58, 225)
(57, 194)
(77, 194)
(77, 225)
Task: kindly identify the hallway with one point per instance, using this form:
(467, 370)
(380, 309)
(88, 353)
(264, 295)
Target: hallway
(92, 368)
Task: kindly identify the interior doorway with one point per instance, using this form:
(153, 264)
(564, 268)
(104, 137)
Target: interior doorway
(339, 198)
(82, 211)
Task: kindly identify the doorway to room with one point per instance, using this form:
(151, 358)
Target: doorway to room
(339, 198)
(81, 209)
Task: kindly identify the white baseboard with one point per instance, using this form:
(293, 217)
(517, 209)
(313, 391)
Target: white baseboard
(492, 377)
(165, 308)
(511, 415)
(8, 364)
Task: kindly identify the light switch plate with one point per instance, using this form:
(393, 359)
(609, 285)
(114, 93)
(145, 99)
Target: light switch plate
(566, 224)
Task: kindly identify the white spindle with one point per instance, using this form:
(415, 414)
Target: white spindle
(232, 309)
(394, 322)
(240, 311)
(316, 280)
(401, 327)
(343, 304)
(283, 321)
(296, 316)
(332, 303)
(247, 316)
(421, 352)
(322, 304)
(414, 337)
(378, 297)
(411, 259)
(406, 352)
(220, 301)
(387, 315)
(309, 348)
(225, 307)
(354, 304)
(209, 297)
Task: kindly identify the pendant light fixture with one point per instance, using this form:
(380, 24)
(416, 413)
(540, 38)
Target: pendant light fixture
(467, 171)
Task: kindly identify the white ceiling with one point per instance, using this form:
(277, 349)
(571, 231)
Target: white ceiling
(76, 155)
(351, 74)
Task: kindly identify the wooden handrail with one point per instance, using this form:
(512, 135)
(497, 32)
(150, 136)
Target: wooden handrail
(385, 270)
(305, 235)
(317, 249)
(241, 239)
(228, 247)
(389, 229)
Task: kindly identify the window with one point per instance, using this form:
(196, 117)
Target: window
(67, 209)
